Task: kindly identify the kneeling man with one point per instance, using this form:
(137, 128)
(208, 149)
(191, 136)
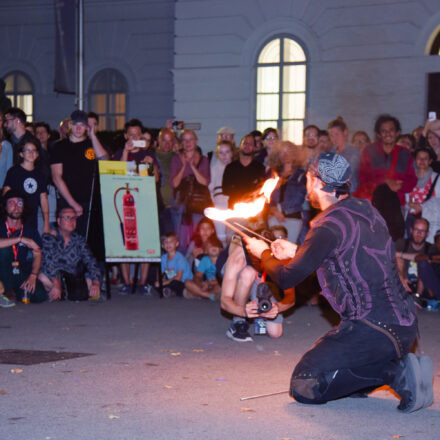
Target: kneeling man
(350, 246)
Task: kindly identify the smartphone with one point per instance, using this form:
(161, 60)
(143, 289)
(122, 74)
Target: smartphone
(141, 143)
(432, 116)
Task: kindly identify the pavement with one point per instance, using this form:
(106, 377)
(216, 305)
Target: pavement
(163, 369)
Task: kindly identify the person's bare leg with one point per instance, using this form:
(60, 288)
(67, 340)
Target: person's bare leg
(145, 267)
(125, 272)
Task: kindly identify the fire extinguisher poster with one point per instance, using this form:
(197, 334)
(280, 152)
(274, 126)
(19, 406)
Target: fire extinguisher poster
(130, 216)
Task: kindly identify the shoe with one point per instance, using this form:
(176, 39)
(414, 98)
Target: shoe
(168, 293)
(420, 302)
(239, 332)
(432, 305)
(5, 302)
(144, 289)
(124, 290)
(412, 384)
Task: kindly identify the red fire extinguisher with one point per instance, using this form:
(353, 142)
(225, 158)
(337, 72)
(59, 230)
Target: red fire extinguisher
(128, 223)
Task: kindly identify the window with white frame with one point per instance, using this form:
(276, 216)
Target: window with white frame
(435, 48)
(108, 98)
(281, 88)
(19, 89)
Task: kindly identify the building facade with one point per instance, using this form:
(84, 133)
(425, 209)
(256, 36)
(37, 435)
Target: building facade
(241, 63)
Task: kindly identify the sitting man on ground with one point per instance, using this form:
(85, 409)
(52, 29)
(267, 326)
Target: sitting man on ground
(67, 251)
(416, 266)
(238, 286)
(18, 268)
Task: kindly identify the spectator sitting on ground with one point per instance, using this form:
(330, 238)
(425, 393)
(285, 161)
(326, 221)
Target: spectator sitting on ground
(175, 269)
(18, 269)
(205, 278)
(67, 251)
(415, 266)
(197, 247)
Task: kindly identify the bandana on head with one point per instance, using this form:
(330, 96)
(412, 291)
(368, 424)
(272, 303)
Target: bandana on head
(333, 169)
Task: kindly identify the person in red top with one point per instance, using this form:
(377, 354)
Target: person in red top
(386, 162)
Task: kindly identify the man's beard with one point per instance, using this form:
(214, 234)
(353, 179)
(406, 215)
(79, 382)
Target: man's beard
(313, 200)
(246, 153)
(13, 216)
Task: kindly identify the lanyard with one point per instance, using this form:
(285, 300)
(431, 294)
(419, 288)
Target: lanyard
(14, 247)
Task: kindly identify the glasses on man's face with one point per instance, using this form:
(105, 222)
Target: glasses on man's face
(7, 120)
(420, 231)
(68, 218)
(30, 151)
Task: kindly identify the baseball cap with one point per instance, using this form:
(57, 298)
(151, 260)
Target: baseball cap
(332, 169)
(79, 116)
(224, 130)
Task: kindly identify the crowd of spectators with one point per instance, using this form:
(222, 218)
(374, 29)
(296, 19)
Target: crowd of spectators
(50, 189)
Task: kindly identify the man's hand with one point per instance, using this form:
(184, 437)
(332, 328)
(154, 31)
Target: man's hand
(283, 249)
(77, 208)
(405, 282)
(30, 283)
(252, 310)
(95, 289)
(30, 243)
(256, 247)
(394, 185)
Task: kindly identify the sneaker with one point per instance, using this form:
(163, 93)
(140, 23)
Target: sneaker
(432, 305)
(412, 384)
(420, 302)
(239, 332)
(124, 290)
(144, 289)
(5, 302)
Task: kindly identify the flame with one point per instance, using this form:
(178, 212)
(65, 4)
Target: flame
(243, 209)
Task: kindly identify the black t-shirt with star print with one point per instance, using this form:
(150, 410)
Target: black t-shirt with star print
(31, 184)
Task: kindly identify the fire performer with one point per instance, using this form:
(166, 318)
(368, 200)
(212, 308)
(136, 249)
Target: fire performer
(350, 245)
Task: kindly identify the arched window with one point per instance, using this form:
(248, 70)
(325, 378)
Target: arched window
(435, 48)
(20, 91)
(281, 88)
(108, 98)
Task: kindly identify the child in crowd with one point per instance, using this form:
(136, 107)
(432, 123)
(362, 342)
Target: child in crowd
(197, 247)
(175, 268)
(205, 278)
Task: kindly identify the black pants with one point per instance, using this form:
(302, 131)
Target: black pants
(358, 355)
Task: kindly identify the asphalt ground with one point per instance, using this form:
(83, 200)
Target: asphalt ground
(163, 369)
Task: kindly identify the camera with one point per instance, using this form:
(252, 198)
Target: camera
(263, 298)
